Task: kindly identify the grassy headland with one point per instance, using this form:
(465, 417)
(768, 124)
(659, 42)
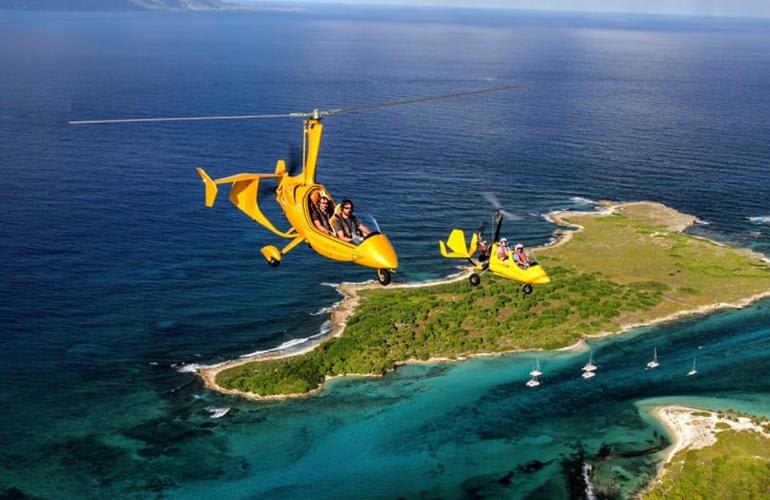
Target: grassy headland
(727, 455)
(631, 265)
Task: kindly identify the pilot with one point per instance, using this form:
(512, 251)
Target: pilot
(321, 215)
(503, 252)
(519, 257)
(346, 226)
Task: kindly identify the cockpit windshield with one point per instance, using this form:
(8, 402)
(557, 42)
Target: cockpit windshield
(368, 221)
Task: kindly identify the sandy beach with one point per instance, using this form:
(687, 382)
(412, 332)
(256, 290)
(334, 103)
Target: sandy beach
(350, 298)
(693, 428)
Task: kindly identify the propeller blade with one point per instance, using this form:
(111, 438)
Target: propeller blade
(482, 227)
(294, 161)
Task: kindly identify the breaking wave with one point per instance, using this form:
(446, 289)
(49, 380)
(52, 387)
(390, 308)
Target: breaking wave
(762, 219)
(217, 412)
(286, 346)
(582, 201)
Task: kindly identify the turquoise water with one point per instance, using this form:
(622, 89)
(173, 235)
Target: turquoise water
(116, 279)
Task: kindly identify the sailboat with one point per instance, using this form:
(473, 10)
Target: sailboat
(590, 367)
(533, 382)
(536, 370)
(692, 371)
(587, 374)
(654, 363)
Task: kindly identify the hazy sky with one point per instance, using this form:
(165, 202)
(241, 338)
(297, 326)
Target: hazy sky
(748, 8)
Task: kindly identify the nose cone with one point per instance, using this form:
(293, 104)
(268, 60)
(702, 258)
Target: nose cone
(376, 252)
(539, 276)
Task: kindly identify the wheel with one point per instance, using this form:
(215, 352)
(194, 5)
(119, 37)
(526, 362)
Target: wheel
(383, 276)
(527, 289)
(274, 262)
(475, 279)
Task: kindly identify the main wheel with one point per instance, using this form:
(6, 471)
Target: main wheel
(274, 262)
(383, 276)
(475, 279)
(527, 289)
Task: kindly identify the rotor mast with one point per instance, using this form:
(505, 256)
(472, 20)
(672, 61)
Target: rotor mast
(311, 145)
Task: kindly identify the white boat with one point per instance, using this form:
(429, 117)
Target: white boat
(692, 371)
(590, 367)
(533, 382)
(654, 363)
(587, 374)
(536, 370)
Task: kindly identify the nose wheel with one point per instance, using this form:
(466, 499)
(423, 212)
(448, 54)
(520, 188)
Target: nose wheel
(527, 289)
(383, 276)
(474, 279)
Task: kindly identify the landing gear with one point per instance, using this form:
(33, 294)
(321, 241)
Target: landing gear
(527, 289)
(474, 279)
(383, 276)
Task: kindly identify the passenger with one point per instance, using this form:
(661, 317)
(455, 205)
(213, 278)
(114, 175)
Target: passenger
(519, 257)
(346, 226)
(321, 215)
(503, 252)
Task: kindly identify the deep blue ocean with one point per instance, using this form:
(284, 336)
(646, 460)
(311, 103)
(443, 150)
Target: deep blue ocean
(116, 279)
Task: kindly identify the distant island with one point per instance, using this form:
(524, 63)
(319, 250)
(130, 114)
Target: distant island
(714, 455)
(129, 5)
(627, 265)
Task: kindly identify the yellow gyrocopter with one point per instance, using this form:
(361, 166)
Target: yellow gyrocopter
(297, 194)
(488, 260)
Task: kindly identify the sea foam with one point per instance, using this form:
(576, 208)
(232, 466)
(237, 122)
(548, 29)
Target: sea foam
(217, 412)
(762, 219)
(325, 329)
(582, 201)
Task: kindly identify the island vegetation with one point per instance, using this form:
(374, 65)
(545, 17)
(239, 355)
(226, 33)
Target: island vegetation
(728, 457)
(630, 265)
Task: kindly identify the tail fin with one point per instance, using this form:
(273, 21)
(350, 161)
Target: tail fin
(211, 187)
(456, 245)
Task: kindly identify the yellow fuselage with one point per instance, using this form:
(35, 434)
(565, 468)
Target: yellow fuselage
(375, 251)
(533, 275)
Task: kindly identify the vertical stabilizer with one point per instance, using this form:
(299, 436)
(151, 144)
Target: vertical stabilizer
(211, 187)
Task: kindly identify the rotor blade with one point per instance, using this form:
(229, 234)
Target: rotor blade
(492, 199)
(180, 119)
(421, 100)
(509, 216)
(495, 202)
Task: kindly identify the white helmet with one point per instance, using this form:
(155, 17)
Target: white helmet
(503, 241)
(518, 245)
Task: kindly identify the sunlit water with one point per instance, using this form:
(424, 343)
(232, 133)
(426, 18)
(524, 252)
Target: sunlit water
(115, 277)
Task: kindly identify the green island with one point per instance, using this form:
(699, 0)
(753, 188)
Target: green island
(731, 462)
(626, 266)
